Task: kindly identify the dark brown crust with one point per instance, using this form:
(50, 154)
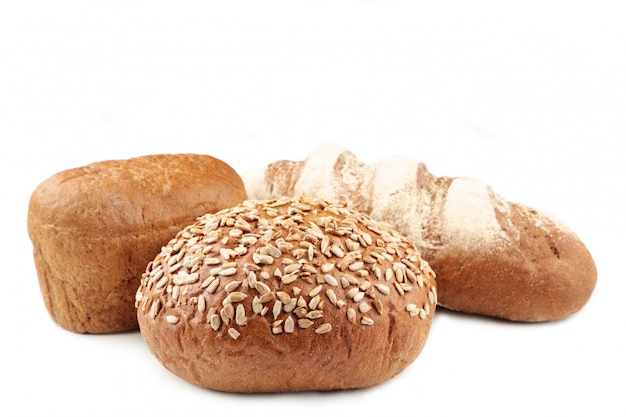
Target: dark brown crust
(350, 355)
(95, 228)
(545, 274)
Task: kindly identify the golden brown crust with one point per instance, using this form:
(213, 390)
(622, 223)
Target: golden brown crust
(95, 228)
(546, 273)
(286, 295)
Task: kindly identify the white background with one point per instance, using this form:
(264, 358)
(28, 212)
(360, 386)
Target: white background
(529, 97)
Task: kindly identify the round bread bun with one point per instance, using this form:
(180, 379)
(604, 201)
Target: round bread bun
(286, 295)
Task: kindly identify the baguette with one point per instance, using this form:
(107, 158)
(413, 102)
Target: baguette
(492, 257)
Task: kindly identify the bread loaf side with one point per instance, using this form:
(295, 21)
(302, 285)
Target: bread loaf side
(95, 228)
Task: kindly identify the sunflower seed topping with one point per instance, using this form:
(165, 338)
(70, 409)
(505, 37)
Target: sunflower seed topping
(215, 321)
(382, 288)
(172, 319)
(290, 263)
(234, 333)
(324, 328)
(289, 325)
(305, 323)
(240, 315)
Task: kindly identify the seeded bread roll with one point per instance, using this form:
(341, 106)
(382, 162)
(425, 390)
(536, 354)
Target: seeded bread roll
(286, 295)
(95, 228)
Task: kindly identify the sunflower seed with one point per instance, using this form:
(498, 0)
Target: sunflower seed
(305, 323)
(234, 333)
(240, 315)
(324, 328)
(215, 321)
(289, 325)
(368, 321)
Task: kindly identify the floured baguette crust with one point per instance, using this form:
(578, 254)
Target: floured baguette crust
(287, 295)
(491, 256)
(95, 228)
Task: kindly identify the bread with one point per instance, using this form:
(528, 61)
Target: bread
(286, 295)
(492, 257)
(95, 228)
